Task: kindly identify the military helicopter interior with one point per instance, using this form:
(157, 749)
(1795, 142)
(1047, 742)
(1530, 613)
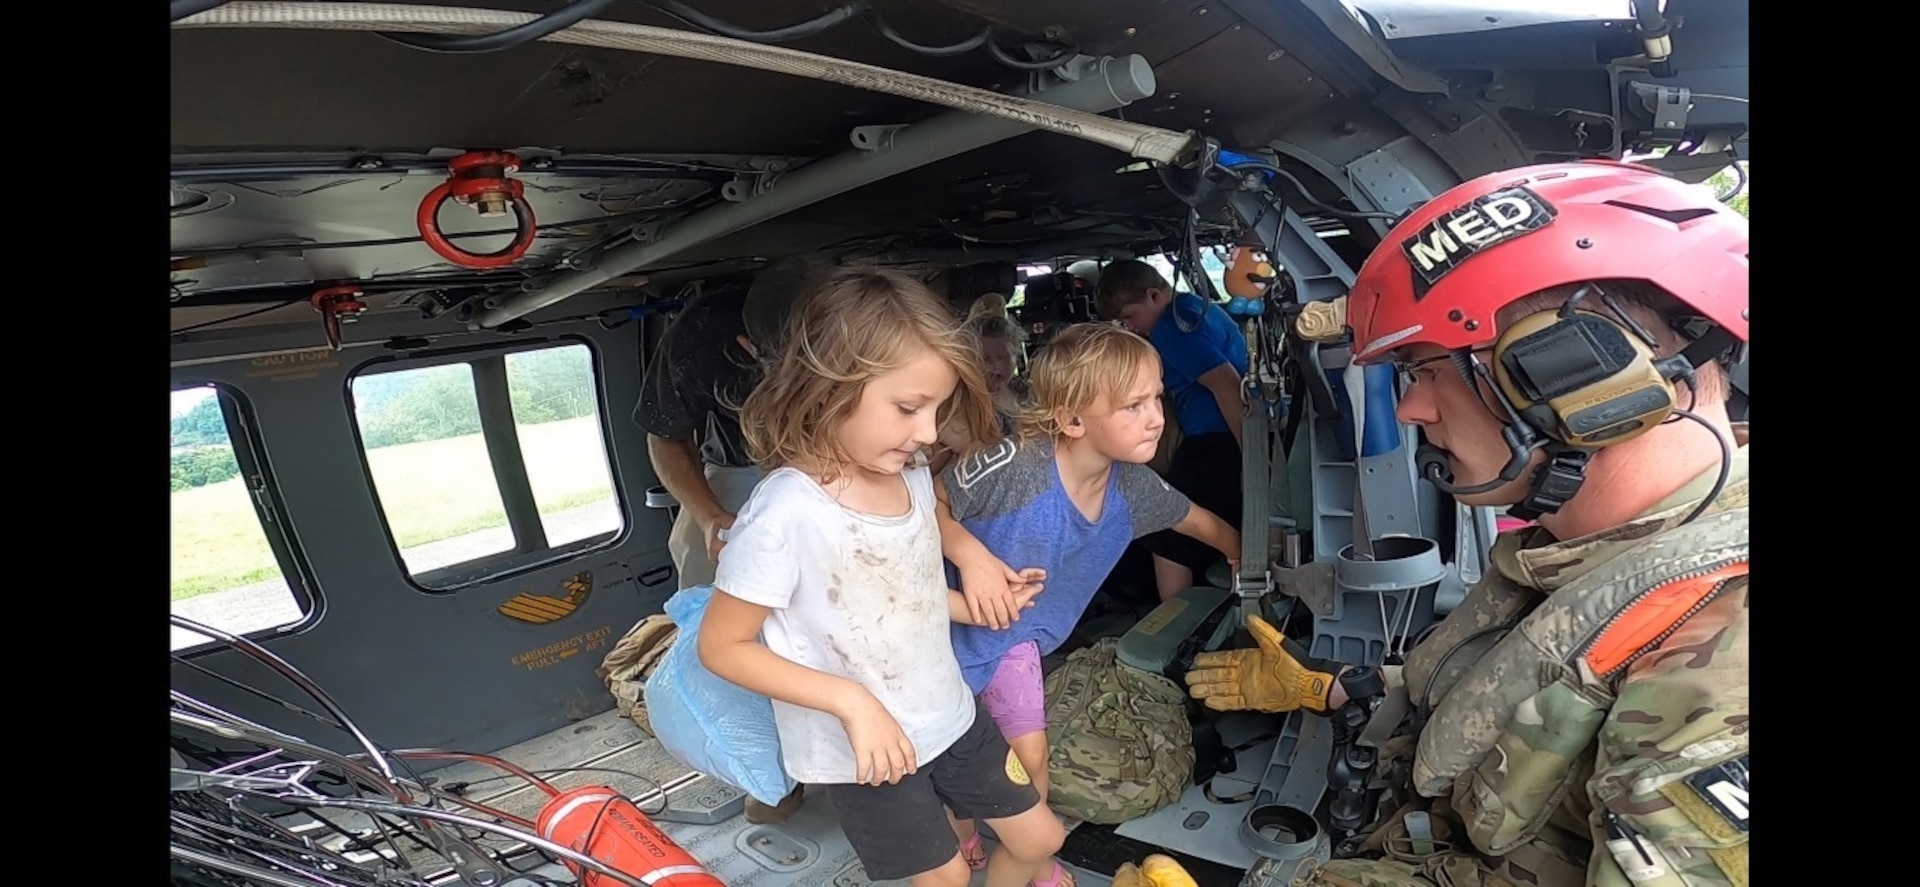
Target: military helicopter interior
(422, 255)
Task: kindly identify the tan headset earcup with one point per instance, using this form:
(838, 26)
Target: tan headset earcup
(1522, 328)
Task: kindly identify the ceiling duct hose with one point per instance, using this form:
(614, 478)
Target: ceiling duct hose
(1098, 85)
(1138, 141)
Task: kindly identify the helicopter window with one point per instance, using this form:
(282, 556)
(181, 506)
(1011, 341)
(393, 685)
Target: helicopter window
(488, 460)
(228, 572)
(556, 414)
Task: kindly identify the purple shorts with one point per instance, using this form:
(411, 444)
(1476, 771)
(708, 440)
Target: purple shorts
(1016, 697)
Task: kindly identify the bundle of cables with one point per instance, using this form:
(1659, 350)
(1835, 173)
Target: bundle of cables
(580, 10)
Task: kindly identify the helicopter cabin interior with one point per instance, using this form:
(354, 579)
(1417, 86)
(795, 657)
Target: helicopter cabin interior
(423, 253)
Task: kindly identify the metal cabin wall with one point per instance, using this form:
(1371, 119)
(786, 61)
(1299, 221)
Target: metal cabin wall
(429, 669)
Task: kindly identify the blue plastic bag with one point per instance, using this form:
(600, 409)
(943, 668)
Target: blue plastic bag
(707, 722)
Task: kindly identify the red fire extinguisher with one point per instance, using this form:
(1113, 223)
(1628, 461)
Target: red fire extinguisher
(600, 822)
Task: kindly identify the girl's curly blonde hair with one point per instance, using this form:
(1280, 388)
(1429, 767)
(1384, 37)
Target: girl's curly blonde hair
(1083, 362)
(854, 325)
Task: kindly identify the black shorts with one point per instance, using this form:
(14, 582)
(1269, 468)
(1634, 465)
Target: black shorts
(902, 830)
(1206, 469)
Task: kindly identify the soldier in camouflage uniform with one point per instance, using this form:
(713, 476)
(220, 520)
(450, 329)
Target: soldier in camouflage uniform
(1581, 717)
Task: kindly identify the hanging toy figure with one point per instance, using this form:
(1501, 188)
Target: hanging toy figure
(1248, 276)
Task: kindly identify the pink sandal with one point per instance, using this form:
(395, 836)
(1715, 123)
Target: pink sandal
(1061, 877)
(973, 854)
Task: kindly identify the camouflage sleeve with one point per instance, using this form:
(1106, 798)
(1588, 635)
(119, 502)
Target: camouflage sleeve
(1670, 784)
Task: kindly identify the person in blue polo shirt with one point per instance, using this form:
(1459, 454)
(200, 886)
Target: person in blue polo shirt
(1203, 358)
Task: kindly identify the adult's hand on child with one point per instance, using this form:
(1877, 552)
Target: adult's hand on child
(714, 532)
(881, 751)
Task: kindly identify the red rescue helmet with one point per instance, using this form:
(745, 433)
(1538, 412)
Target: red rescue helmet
(1441, 274)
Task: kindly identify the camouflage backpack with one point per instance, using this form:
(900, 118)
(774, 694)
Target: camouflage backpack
(1120, 744)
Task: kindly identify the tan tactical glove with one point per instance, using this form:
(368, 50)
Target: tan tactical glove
(1157, 871)
(1268, 679)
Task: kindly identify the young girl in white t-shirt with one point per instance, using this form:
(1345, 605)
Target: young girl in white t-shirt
(836, 562)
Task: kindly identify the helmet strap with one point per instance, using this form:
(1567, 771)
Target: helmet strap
(1557, 479)
(1712, 344)
(1555, 482)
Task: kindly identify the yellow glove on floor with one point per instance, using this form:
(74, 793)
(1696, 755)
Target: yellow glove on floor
(1157, 871)
(1266, 679)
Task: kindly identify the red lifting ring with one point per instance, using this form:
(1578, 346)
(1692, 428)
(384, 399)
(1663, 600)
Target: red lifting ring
(479, 179)
(337, 303)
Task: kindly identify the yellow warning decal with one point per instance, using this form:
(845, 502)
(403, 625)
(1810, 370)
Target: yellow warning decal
(540, 609)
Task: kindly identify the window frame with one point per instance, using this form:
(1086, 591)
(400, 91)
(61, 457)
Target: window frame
(500, 433)
(269, 508)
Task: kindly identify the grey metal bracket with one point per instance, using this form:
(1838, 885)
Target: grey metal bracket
(1072, 70)
(1670, 105)
(1296, 775)
(874, 138)
(1474, 529)
(755, 181)
(582, 258)
(658, 497)
(647, 232)
(1396, 179)
(706, 802)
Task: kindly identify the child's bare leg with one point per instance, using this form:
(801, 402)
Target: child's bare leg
(1032, 750)
(953, 874)
(1016, 701)
(1028, 842)
(1171, 577)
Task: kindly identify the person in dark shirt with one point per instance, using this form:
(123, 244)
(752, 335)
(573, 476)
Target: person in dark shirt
(700, 374)
(702, 370)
